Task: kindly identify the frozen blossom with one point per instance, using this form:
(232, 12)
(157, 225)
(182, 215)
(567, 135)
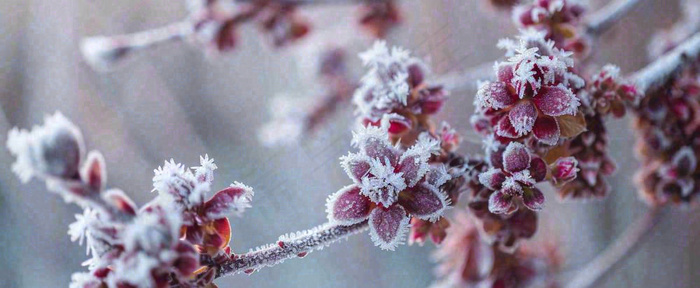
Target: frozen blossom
(394, 84)
(533, 94)
(391, 185)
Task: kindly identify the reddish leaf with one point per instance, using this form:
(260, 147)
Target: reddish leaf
(347, 206)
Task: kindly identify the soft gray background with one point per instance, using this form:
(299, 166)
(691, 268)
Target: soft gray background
(173, 102)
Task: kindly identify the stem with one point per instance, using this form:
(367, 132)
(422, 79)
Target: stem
(603, 19)
(288, 246)
(616, 253)
(660, 71)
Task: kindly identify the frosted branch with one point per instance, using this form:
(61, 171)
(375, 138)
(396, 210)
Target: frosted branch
(613, 256)
(660, 71)
(288, 246)
(603, 19)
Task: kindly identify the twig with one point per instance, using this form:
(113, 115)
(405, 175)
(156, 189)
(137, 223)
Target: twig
(660, 71)
(288, 246)
(603, 19)
(613, 256)
(102, 52)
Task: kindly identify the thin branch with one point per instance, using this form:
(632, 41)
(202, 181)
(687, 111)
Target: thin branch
(605, 18)
(599, 22)
(616, 253)
(288, 246)
(102, 52)
(660, 71)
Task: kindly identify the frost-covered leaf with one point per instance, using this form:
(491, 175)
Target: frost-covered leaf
(546, 130)
(494, 95)
(120, 200)
(388, 226)
(522, 116)
(356, 165)
(533, 199)
(556, 101)
(500, 203)
(437, 175)
(538, 169)
(505, 128)
(232, 200)
(348, 206)
(492, 179)
(516, 158)
(425, 202)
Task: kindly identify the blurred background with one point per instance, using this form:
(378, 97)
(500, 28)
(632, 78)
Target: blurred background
(173, 102)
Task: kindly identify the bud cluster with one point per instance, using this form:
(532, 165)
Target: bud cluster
(159, 245)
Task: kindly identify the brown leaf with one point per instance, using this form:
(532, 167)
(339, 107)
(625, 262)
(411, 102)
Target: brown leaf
(571, 126)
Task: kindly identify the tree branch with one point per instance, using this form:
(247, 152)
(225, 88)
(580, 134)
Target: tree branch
(616, 253)
(288, 246)
(660, 71)
(605, 18)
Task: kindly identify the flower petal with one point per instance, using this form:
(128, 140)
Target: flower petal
(500, 203)
(533, 199)
(414, 166)
(522, 117)
(347, 206)
(388, 226)
(425, 202)
(546, 130)
(516, 158)
(556, 101)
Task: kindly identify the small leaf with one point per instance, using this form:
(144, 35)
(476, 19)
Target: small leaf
(347, 206)
(120, 200)
(93, 172)
(571, 126)
(232, 200)
(388, 226)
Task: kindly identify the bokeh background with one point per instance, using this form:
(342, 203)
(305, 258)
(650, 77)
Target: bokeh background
(173, 102)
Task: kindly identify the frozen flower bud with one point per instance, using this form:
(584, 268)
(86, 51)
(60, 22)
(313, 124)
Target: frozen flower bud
(564, 170)
(610, 93)
(534, 93)
(466, 260)
(668, 124)
(422, 230)
(395, 85)
(378, 17)
(390, 186)
(503, 230)
(55, 149)
(521, 170)
(559, 20)
(590, 149)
